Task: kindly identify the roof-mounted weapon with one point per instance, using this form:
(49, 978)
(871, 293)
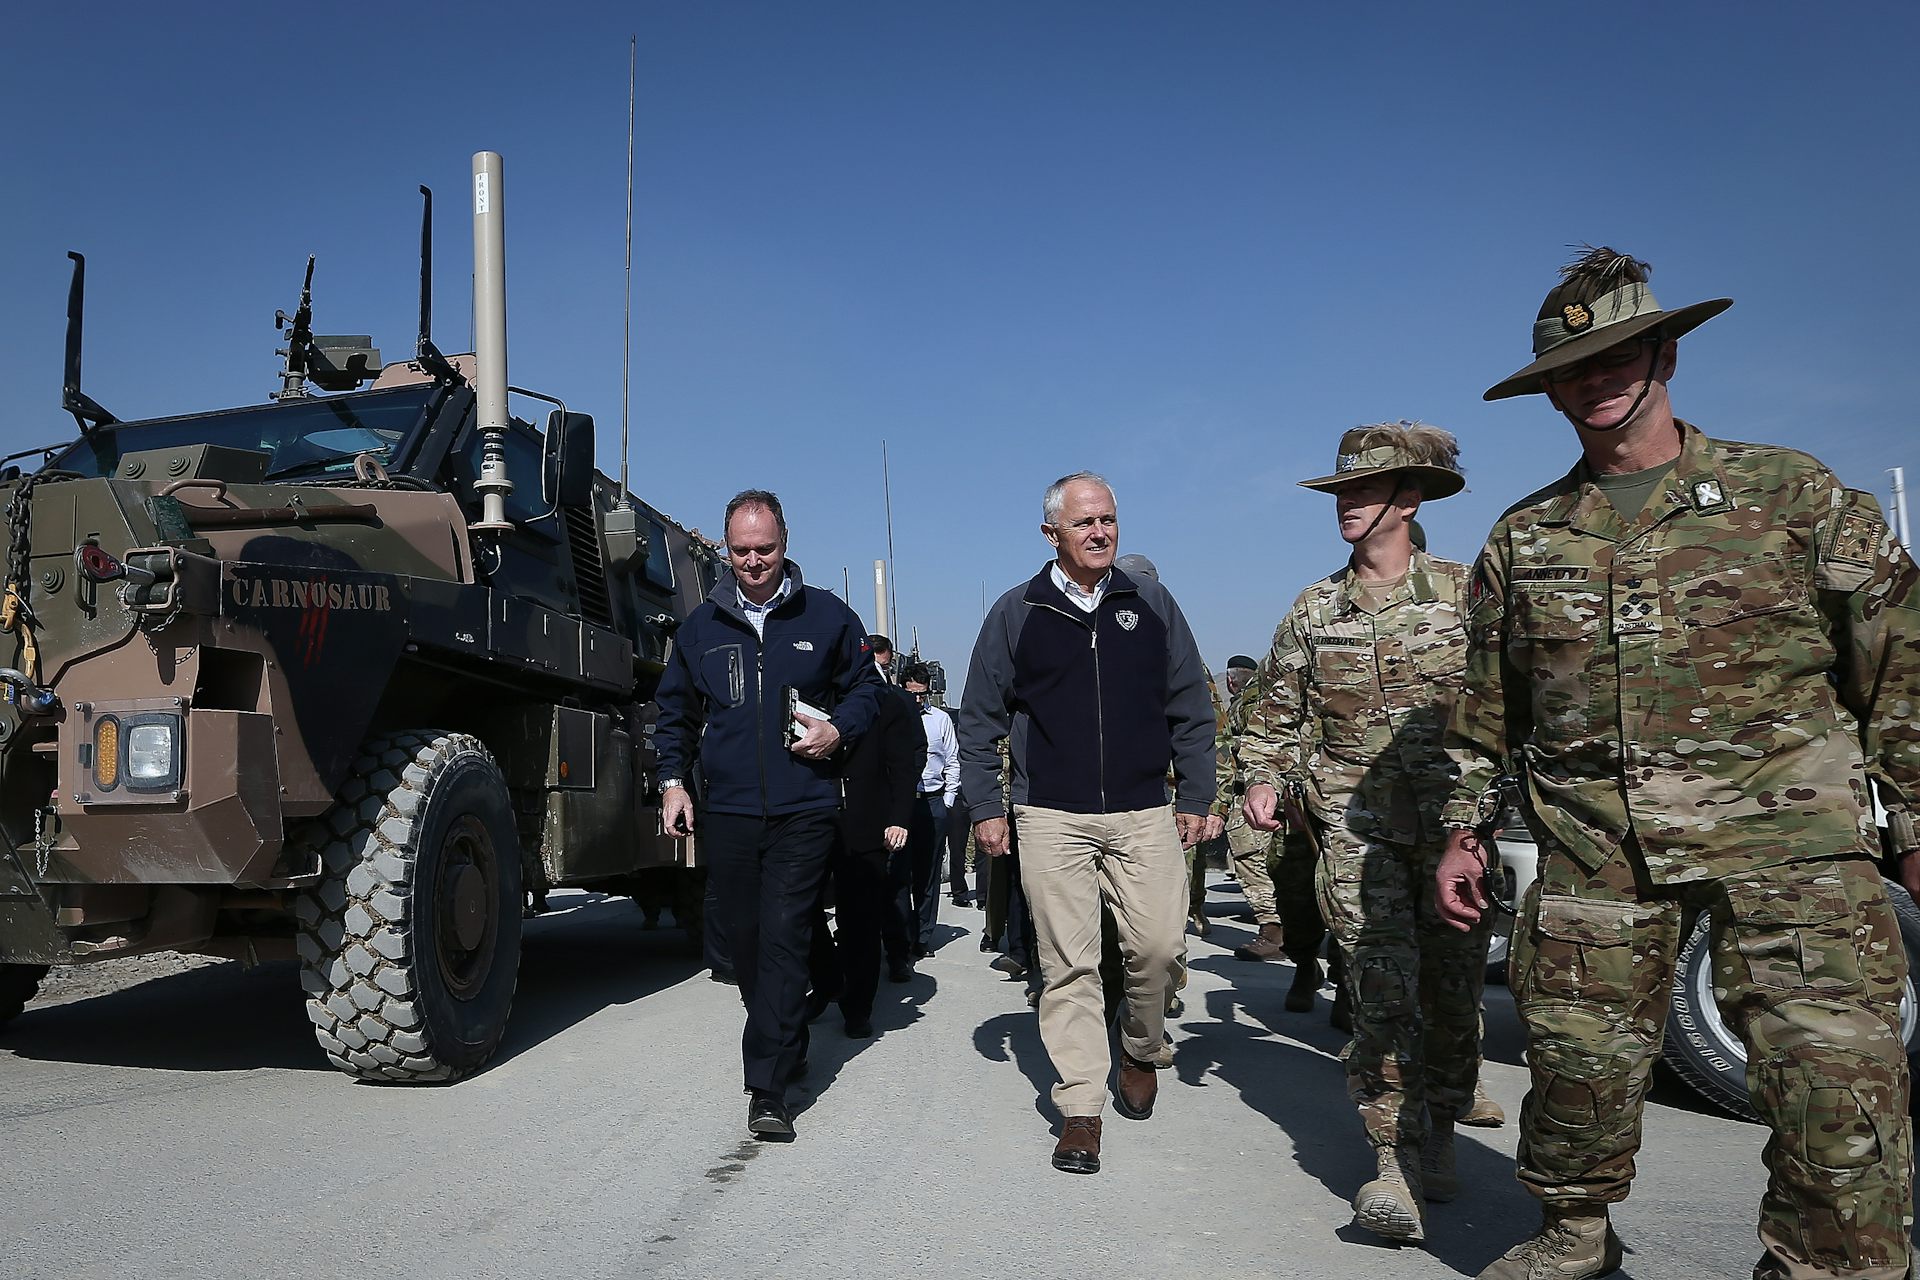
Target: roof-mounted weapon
(333, 362)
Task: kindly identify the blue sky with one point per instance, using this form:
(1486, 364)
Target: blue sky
(1182, 244)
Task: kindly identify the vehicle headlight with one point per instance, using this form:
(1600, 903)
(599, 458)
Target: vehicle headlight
(150, 752)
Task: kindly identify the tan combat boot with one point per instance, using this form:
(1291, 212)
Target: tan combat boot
(1390, 1206)
(1485, 1112)
(1439, 1182)
(1576, 1242)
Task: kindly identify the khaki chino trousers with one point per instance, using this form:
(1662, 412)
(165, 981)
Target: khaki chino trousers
(1070, 863)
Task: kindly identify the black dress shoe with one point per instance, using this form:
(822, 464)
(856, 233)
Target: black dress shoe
(859, 1028)
(921, 951)
(768, 1117)
(902, 972)
(725, 975)
(818, 1002)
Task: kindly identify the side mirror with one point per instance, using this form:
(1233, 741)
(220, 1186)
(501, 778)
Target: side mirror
(570, 454)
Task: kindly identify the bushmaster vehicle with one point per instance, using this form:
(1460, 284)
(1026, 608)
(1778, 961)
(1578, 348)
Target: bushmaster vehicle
(354, 677)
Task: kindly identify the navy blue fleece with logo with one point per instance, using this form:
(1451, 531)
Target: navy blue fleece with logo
(724, 689)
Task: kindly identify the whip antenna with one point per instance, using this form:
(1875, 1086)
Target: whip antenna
(626, 349)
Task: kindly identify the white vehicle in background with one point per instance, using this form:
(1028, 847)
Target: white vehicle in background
(1700, 1048)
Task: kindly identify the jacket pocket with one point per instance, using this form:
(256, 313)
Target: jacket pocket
(1552, 628)
(723, 674)
(1753, 639)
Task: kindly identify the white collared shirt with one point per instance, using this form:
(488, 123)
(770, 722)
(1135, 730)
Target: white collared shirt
(942, 772)
(1085, 601)
(757, 613)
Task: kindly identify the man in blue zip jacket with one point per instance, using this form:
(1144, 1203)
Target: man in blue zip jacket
(1094, 679)
(772, 799)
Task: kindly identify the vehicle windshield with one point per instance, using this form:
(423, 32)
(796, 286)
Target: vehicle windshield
(302, 438)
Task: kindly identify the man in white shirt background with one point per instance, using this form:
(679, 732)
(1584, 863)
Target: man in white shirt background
(937, 793)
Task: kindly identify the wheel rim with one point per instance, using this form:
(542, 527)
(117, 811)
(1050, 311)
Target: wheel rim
(467, 924)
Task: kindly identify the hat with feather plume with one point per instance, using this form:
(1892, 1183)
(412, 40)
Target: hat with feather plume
(1428, 457)
(1601, 301)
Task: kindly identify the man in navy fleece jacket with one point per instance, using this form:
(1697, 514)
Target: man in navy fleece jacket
(1094, 679)
(771, 806)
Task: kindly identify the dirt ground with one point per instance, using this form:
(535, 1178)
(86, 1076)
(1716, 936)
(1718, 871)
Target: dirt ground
(65, 984)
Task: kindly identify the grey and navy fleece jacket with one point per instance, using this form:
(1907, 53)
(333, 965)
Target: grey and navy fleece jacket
(1094, 705)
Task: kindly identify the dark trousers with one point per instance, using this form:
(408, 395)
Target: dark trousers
(926, 840)
(868, 923)
(953, 833)
(1294, 896)
(1009, 922)
(713, 930)
(767, 875)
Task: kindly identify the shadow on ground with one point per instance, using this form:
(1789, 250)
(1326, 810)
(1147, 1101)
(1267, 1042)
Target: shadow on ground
(575, 962)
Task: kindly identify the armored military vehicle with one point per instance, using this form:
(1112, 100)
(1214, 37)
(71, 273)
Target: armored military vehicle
(354, 677)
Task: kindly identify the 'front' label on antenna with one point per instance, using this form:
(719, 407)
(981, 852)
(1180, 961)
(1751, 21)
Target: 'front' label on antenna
(480, 194)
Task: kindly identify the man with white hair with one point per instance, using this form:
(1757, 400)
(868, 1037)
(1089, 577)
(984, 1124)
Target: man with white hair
(1094, 679)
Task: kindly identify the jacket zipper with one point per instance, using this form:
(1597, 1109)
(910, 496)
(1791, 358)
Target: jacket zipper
(760, 718)
(1099, 707)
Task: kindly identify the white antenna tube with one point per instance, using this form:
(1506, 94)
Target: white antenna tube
(880, 599)
(1900, 506)
(490, 339)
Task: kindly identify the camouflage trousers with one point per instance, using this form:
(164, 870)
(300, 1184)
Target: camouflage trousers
(1248, 850)
(1808, 967)
(1413, 982)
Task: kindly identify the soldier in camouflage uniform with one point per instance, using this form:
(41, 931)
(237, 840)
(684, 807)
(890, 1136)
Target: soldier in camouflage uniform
(1248, 850)
(1701, 654)
(1347, 717)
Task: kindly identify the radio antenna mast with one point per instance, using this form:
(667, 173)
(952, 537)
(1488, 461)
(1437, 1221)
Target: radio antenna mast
(626, 347)
(893, 576)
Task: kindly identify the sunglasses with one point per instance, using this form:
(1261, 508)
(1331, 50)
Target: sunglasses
(1612, 358)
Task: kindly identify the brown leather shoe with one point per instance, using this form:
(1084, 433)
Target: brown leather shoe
(1137, 1087)
(1078, 1150)
(1266, 945)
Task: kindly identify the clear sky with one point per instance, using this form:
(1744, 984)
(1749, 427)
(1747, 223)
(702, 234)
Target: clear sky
(1182, 244)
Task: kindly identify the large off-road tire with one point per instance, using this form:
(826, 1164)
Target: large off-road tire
(1703, 1050)
(410, 944)
(18, 984)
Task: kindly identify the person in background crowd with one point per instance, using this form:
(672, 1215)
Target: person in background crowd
(1248, 849)
(769, 817)
(1702, 655)
(939, 788)
(1095, 679)
(880, 773)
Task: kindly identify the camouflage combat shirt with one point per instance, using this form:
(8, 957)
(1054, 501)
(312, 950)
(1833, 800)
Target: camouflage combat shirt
(1352, 705)
(1721, 674)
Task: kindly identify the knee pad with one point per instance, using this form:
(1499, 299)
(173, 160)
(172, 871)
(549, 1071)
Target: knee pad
(1585, 1069)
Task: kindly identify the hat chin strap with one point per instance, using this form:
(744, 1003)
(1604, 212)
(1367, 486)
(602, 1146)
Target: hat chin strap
(1631, 411)
(1384, 507)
